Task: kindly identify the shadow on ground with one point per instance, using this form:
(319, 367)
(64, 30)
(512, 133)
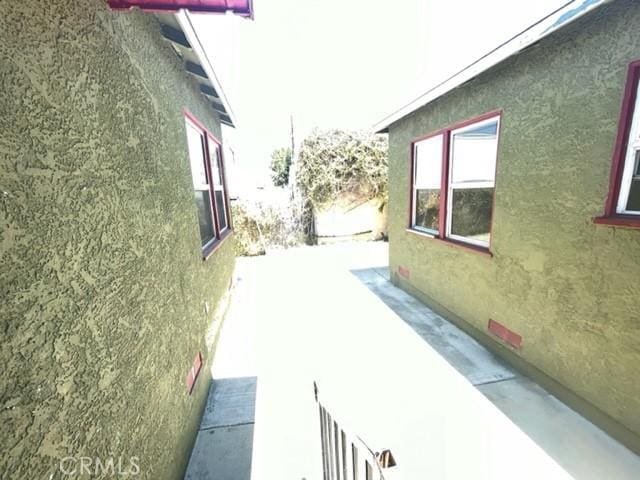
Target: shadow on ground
(224, 445)
(578, 446)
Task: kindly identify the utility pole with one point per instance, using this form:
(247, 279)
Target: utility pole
(292, 168)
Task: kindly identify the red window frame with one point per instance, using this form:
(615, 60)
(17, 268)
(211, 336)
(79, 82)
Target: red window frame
(610, 216)
(441, 236)
(219, 236)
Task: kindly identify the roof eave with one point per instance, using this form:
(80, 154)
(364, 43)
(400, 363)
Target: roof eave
(184, 20)
(557, 20)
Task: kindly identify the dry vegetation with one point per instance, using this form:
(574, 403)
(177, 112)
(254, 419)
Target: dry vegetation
(332, 165)
(339, 162)
(260, 226)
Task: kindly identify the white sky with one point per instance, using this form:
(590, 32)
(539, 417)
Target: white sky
(345, 63)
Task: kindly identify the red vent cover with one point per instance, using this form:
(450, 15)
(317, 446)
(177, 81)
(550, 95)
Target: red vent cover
(404, 272)
(193, 372)
(243, 8)
(505, 334)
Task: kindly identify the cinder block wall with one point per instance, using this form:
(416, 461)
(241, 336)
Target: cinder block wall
(566, 285)
(102, 282)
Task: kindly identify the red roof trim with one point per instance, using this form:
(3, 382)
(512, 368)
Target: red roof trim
(243, 8)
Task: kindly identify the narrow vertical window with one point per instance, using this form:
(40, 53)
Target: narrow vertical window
(219, 186)
(629, 198)
(427, 177)
(201, 184)
(472, 169)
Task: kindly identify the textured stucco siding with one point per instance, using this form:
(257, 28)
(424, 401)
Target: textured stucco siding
(569, 287)
(102, 283)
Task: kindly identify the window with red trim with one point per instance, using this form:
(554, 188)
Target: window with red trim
(207, 172)
(453, 180)
(623, 202)
(219, 191)
(427, 184)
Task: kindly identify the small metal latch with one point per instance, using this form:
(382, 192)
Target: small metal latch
(385, 459)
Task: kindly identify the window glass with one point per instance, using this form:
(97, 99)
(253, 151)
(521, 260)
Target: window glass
(633, 203)
(629, 193)
(428, 170)
(428, 157)
(202, 190)
(471, 213)
(474, 154)
(427, 209)
(215, 160)
(222, 214)
(196, 156)
(205, 218)
(465, 207)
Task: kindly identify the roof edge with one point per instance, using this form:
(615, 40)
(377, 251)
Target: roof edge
(542, 28)
(184, 19)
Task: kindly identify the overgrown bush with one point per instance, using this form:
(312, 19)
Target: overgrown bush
(332, 166)
(262, 225)
(336, 162)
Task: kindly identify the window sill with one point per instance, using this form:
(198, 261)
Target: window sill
(453, 243)
(420, 233)
(624, 221)
(210, 248)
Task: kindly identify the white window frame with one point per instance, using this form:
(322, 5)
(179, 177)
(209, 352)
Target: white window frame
(467, 185)
(632, 157)
(217, 172)
(206, 164)
(414, 190)
(414, 186)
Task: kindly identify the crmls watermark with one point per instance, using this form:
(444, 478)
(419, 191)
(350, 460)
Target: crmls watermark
(111, 466)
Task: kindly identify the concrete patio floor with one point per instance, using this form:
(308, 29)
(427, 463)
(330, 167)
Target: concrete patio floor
(392, 372)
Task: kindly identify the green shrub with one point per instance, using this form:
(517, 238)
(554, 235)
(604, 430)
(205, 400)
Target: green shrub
(280, 166)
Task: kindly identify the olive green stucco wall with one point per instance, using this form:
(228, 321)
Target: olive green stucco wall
(102, 283)
(566, 285)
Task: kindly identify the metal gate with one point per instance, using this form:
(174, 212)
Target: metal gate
(345, 456)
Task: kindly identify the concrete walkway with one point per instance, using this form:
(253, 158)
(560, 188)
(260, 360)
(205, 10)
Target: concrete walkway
(224, 446)
(582, 449)
(389, 370)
